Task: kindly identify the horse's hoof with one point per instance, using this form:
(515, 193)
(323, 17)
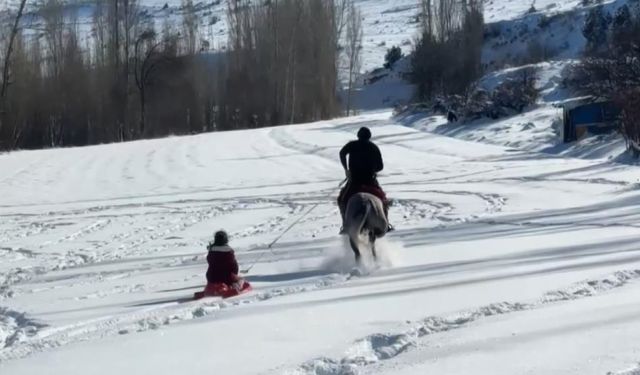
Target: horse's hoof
(357, 272)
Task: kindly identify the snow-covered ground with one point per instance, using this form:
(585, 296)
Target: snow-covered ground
(504, 261)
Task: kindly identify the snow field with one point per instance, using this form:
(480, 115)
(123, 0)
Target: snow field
(96, 264)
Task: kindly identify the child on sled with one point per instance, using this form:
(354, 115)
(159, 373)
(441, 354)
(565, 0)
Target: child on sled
(222, 275)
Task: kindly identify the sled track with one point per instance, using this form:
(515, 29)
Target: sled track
(630, 371)
(379, 347)
(416, 210)
(26, 337)
(493, 202)
(284, 139)
(537, 224)
(135, 238)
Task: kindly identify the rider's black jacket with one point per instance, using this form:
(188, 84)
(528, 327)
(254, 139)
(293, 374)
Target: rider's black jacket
(365, 160)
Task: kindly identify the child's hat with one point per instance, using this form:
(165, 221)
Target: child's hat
(221, 238)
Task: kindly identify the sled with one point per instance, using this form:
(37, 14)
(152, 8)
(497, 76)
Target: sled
(223, 290)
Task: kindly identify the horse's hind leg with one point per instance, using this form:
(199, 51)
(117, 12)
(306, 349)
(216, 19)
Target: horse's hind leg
(372, 241)
(356, 251)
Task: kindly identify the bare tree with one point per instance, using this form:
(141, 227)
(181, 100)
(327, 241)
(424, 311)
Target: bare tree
(7, 59)
(293, 61)
(340, 9)
(353, 50)
(146, 63)
(100, 37)
(130, 21)
(23, 77)
(52, 12)
(427, 16)
(123, 18)
(449, 18)
(190, 26)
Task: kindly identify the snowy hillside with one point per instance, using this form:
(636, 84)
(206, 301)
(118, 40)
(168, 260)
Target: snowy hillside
(510, 252)
(554, 30)
(385, 23)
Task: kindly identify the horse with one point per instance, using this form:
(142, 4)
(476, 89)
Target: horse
(365, 217)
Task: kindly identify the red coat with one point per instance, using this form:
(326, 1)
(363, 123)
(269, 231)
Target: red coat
(223, 266)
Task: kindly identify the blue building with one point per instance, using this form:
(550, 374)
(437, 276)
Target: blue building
(592, 118)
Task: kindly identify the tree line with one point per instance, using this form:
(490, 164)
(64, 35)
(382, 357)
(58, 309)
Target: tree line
(448, 54)
(133, 79)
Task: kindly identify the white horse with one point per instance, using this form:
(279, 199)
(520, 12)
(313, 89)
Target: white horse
(365, 221)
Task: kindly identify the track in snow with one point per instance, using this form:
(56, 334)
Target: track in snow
(379, 347)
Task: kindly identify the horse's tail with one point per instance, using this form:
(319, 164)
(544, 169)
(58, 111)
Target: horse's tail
(365, 217)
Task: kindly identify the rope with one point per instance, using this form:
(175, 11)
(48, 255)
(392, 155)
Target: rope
(270, 246)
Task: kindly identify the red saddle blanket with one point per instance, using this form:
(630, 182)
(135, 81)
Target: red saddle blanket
(352, 189)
